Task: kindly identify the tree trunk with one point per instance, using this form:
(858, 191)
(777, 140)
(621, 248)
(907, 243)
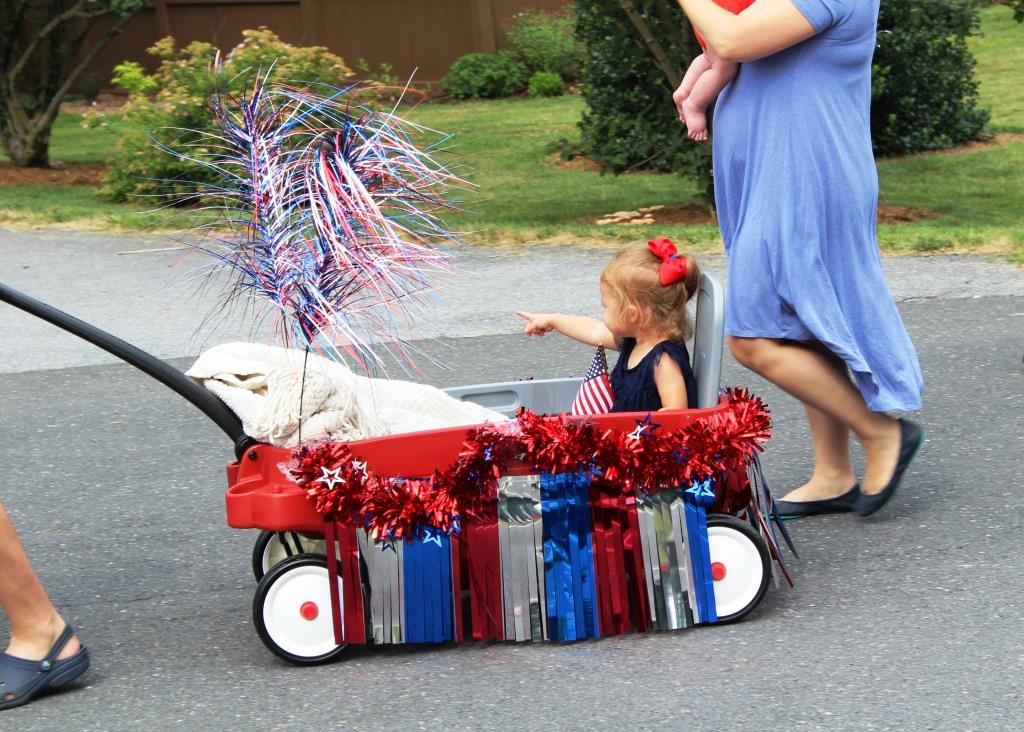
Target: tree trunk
(28, 151)
(26, 133)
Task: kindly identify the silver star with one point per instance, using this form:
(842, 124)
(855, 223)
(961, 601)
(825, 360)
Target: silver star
(638, 432)
(330, 478)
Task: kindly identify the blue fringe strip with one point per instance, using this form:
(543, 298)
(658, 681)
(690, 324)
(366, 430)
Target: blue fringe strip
(427, 579)
(568, 556)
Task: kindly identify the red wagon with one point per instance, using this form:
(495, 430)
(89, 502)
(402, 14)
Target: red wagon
(549, 554)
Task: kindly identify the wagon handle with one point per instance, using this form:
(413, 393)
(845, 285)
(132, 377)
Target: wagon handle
(149, 364)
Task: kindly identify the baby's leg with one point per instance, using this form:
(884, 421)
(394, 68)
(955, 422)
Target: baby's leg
(697, 67)
(703, 93)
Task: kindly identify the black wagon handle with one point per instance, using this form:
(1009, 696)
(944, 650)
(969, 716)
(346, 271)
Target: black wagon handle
(206, 402)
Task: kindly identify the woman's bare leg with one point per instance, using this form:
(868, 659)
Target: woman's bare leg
(818, 381)
(35, 622)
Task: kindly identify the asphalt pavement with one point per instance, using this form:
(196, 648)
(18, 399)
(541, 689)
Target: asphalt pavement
(910, 620)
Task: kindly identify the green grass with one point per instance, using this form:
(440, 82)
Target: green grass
(74, 143)
(522, 197)
(999, 51)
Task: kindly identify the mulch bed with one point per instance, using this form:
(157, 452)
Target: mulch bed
(61, 174)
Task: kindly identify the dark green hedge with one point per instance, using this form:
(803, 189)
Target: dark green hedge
(924, 96)
(630, 121)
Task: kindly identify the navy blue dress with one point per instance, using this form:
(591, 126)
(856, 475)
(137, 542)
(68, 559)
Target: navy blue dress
(635, 390)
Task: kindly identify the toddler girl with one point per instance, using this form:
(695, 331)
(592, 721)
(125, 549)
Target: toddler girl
(706, 76)
(644, 291)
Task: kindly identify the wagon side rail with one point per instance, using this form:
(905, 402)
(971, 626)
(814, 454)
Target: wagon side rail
(206, 402)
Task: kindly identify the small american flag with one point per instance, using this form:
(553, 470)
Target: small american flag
(595, 395)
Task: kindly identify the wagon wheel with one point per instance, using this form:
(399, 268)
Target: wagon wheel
(740, 566)
(292, 611)
(273, 547)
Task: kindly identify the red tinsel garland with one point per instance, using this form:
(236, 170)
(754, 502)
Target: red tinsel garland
(621, 462)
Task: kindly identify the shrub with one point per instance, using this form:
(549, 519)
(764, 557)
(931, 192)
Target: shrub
(546, 84)
(90, 85)
(545, 42)
(169, 108)
(132, 78)
(924, 95)
(630, 121)
(485, 76)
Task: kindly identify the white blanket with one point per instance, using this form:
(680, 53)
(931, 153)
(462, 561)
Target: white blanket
(263, 384)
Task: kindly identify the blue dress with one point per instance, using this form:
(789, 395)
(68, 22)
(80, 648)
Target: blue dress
(797, 195)
(635, 389)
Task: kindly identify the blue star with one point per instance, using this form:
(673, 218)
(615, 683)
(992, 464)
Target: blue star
(431, 535)
(643, 426)
(648, 423)
(385, 545)
(701, 489)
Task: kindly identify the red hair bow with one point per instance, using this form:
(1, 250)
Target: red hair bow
(673, 264)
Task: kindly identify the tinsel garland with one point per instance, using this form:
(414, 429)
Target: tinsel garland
(396, 508)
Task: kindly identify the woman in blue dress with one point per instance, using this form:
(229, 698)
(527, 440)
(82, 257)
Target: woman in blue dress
(797, 193)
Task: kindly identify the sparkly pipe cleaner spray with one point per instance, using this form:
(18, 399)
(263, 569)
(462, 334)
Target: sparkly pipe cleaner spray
(334, 216)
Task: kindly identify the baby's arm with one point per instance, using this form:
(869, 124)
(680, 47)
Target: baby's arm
(671, 385)
(578, 327)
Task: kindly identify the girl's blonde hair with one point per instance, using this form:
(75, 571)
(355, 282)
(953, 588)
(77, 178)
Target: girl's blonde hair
(632, 279)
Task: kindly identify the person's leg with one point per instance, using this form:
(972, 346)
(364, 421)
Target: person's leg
(697, 67)
(818, 381)
(833, 472)
(704, 91)
(35, 622)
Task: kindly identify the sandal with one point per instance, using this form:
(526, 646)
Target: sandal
(21, 679)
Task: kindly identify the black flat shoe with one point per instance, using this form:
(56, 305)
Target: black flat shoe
(798, 509)
(911, 437)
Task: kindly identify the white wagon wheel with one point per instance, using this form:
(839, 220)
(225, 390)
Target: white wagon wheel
(273, 547)
(292, 611)
(740, 566)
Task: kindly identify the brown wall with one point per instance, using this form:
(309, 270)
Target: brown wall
(425, 35)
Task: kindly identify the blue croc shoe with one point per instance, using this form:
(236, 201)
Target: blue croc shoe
(22, 679)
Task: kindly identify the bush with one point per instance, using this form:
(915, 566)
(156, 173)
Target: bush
(546, 84)
(169, 108)
(90, 85)
(485, 76)
(545, 42)
(924, 95)
(630, 121)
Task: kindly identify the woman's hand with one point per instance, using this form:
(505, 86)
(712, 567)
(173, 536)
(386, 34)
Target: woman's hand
(537, 323)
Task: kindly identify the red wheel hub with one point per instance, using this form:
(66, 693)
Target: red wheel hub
(717, 571)
(309, 611)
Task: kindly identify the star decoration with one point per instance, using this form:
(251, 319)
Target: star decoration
(431, 535)
(330, 478)
(385, 545)
(701, 489)
(360, 465)
(642, 427)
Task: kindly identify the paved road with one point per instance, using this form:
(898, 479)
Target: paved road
(911, 620)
